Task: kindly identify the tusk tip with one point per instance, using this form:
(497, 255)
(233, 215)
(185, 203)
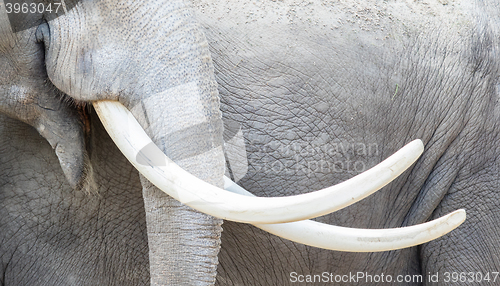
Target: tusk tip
(417, 145)
(457, 217)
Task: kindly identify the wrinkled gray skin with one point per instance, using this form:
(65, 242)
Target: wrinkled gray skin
(82, 220)
(301, 79)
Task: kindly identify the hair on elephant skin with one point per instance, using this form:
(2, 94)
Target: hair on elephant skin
(285, 98)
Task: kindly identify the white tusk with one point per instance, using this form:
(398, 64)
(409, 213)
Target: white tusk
(333, 237)
(130, 138)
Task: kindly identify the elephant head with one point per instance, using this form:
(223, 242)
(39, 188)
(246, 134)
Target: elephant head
(122, 51)
(152, 59)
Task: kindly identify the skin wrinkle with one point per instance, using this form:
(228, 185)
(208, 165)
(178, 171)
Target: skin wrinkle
(472, 109)
(447, 109)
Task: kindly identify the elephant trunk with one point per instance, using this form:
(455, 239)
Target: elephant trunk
(185, 122)
(183, 243)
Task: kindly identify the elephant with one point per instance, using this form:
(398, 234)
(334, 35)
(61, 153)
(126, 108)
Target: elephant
(286, 98)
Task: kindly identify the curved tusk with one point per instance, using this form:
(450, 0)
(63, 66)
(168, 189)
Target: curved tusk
(130, 138)
(333, 237)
